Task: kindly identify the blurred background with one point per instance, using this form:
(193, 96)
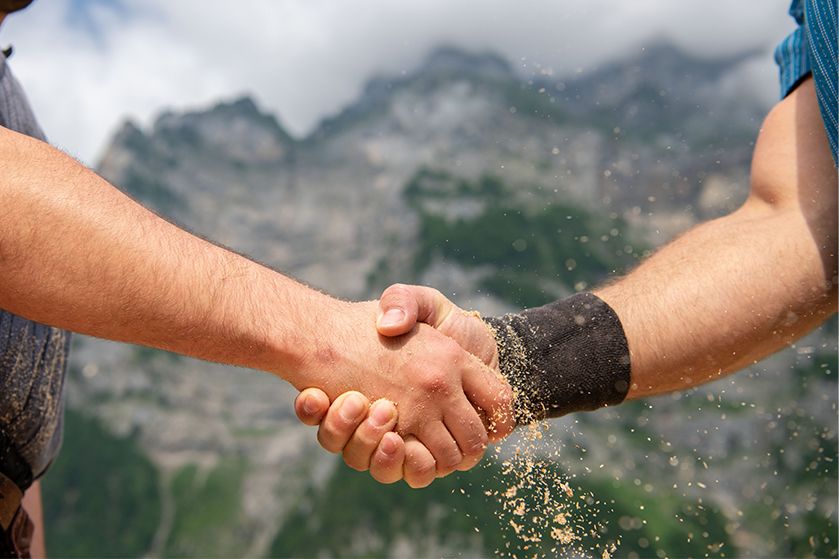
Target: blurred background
(508, 154)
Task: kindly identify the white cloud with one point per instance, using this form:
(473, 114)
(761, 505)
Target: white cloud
(88, 64)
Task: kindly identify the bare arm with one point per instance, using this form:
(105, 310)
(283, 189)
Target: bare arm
(78, 254)
(728, 292)
(734, 290)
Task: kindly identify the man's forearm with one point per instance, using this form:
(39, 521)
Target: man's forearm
(739, 288)
(78, 254)
(723, 296)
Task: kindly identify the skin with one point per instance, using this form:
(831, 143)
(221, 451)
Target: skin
(727, 293)
(365, 441)
(31, 503)
(77, 254)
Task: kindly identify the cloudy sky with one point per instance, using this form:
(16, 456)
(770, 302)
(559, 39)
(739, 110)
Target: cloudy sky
(89, 64)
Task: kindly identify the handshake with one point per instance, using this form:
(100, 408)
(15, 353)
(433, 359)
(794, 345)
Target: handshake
(439, 384)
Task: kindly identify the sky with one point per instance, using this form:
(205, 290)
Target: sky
(88, 65)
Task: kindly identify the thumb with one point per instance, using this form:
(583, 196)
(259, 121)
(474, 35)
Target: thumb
(402, 306)
(311, 406)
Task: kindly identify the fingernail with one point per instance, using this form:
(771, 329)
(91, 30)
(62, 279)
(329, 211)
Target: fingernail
(381, 414)
(352, 407)
(310, 404)
(391, 317)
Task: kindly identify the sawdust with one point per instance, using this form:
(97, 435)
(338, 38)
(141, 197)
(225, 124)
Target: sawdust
(543, 515)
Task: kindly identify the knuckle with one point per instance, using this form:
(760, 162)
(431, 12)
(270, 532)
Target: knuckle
(419, 467)
(396, 292)
(385, 477)
(449, 460)
(385, 470)
(476, 445)
(433, 380)
(469, 463)
(367, 437)
(505, 396)
(421, 473)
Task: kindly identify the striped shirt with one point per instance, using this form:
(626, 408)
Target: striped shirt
(812, 49)
(33, 357)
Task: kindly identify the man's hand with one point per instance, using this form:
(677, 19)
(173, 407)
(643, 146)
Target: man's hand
(364, 438)
(363, 434)
(403, 306)
(444, 394)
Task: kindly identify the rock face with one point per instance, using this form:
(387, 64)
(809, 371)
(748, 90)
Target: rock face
(652, 139)
(635, 136)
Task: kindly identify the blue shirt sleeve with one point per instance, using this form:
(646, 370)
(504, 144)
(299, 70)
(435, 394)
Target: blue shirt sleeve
(811, 49)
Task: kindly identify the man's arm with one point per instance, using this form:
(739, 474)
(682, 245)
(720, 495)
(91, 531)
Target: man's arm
(731, 291)
(77, 254)
(734, 290)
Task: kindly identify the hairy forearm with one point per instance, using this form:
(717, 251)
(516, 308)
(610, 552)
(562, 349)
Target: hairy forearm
(739, 288)
(78, 254)
(721, 297)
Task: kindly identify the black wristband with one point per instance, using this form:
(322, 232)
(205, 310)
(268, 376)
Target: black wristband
(567, 356)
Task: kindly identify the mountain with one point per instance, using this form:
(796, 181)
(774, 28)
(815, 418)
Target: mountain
(336, 195)
(503, 191)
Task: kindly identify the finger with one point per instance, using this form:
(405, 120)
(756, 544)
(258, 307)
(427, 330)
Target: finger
(469, 462)
(442, 445)
(467, 428)
(398, 310)
(401, 306)
(470, 332)
(359, 451)
(471, 459)
(494, 397)
(387, 464)
(311, 406)
(344, 416)
(419, 468)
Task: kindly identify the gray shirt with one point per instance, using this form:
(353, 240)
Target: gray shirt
(33, 357)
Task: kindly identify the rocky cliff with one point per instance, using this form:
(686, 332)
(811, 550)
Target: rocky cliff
(636, 137)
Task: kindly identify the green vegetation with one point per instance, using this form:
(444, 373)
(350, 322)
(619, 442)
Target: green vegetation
(532, 103)
(102, 499)
(558, 244)
(101, 495)
(353, 516)
(207, 510)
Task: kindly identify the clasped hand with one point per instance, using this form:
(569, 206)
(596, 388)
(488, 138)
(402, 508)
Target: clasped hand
(447, 433)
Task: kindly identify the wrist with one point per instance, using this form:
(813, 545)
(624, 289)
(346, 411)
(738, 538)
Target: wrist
(567, 356)
(303, 335)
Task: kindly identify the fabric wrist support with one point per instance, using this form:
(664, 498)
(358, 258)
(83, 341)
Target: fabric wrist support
(567, 356)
